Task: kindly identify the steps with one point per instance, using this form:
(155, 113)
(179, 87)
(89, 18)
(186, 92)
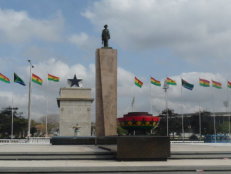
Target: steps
(200, 155)
(57, 156)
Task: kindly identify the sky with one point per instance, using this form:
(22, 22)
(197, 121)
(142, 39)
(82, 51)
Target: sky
(180, 39)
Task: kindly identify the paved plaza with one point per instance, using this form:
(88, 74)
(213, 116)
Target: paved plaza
(223, 164)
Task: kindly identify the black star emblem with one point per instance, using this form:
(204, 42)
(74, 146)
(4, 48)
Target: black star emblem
(74, 81)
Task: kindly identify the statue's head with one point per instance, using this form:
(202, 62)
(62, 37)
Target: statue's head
(105, 26)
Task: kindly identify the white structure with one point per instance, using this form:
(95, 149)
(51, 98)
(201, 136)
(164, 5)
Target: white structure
(75, 111)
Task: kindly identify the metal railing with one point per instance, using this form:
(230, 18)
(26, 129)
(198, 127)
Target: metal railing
(31, 140)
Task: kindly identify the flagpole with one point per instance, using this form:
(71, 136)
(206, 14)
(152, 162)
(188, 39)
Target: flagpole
(46, 135)
(214, 119)
(199, 121)
(133, 100)
(227, 107)
(150, 87)
(29, 101)
(133, 97)
(12, 119)
(12, 115)
(166, 102)
(182, 116)
(199, 114)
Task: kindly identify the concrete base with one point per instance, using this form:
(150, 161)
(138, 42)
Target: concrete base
(108, 140)
(130, 148)
(143, 148)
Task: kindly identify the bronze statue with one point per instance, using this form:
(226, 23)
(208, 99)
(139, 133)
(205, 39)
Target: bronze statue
(105, 36)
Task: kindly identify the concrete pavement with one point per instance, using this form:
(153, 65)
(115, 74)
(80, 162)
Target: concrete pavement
(222, 165)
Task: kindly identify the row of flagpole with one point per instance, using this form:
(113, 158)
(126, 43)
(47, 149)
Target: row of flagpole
(36, 79)
(189, 86)
(167, 82)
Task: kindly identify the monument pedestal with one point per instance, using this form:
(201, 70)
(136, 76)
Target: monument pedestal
(143, 148)
(106, 92)
(75, 111)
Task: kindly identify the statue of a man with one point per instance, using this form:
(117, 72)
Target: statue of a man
(105, 36)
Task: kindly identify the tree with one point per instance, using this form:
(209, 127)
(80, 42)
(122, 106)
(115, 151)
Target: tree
(5, 123)
(174, 123)
(52, 123)
(206, 123)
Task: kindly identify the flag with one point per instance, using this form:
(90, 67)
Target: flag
(17, 79)
(37, 79)
(53, 78)
(204, 82)
(170, 81)
(229, 84)
(155, 82)
(138, 82)
(187, 85)
(4, 78)
(216, 84)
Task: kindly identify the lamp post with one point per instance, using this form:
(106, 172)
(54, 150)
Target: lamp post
(29, 100)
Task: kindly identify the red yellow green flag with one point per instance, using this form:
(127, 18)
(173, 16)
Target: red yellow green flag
(229, 84)
(155, 82)
(138, 82)
(53, 78)
(4, 78)
(170, 81)
(216, 84)
(37, 79)
(204, 82)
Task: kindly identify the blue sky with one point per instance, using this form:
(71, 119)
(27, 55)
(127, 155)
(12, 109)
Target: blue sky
(175, 38)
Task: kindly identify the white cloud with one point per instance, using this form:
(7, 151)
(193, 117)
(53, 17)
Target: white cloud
(193, 30)
(84, 42)
(210, 99)
(18, 26)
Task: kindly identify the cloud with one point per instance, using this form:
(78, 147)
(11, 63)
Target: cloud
(18, 27)
(49, 91)
(149, 98)
(192, 30)
(84, 42)
(186, 101)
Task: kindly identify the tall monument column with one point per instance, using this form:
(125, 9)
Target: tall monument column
(106, 92)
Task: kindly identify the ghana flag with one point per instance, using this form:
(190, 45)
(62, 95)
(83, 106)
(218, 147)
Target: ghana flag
(229, 84)
(138, 82)
(170, 81)
(204, 82)
(187, 85)
(4, 78)
(37, 79)
(18, 80)
(216, 84)
(53, 78)
(155, 82)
